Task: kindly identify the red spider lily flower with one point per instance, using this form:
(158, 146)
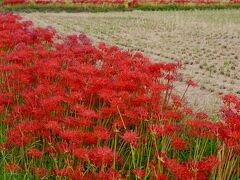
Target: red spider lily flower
(130, 137)
(181, 171)
(102, 155)
(17, 138)
(71, 135)
(110, 174)
(140, 100)
(201, 175)
(188, 111)
(77, 173)
(133, 3)
(101, 132)
(54, 126)
(170, 78)
(201, 115)
(40, 171)
(152, 165)
(34, 152)
(89, 137)
(62, 147)
(12, 167)
(161, 176)
(51, 150)
(191, 83)
(176, 101)
(70, 121)
(170, 67)
(230, 98)
(85, 122)
(140, 173)
(1, 109)
(2, 145)
(178, 143)
(81, 153)
(89, 114)
(118, 123)
(208, 163)
(170, 128)
(140, 112)
(7, 121)
(227, 112)
(156, 128)
(62, 172)
(171, 115)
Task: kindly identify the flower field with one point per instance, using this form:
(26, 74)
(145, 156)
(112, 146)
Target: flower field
(130, 3)
(72, 109)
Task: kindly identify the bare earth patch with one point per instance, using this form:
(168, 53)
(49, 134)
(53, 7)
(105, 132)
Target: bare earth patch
(207, 42)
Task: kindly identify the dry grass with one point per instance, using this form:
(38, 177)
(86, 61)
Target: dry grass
(208, 42)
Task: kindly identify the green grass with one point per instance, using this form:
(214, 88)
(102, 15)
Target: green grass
(107, 8)
(167, 7)
(66, 8)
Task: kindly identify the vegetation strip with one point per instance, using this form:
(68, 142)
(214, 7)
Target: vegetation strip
(108, 8)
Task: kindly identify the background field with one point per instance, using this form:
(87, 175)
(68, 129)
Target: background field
(207, 42)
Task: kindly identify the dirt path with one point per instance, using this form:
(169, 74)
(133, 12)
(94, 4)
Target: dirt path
(208, 43)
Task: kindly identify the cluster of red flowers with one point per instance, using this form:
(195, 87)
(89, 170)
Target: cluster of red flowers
(84, 111)
(117, 2)
(99, 2)
(15, 2)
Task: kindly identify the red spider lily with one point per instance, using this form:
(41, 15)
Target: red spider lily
(161, 176)
(85, 122)
(63, 147)
(12, 167)
(101, 132)
(3, 145)
(34, 152)
(133, 3)
(110, 174)
(39, 171)
(62, 172)
(229, 98)
(14, 2)
(171, 115)
(102, 156)
(81, 153)
(201, 115)
(178, 143)
(188, 111)
(180, 171)
(208, 164)
(43, 1)
(191, 83)
(51, 150)
(89, 137)
(140, 173)
(156, 128)
(131, 137)
(235, 1)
